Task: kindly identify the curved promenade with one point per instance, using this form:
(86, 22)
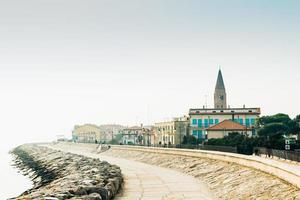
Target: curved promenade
(215, 175)
(147, 182)
(288, 172)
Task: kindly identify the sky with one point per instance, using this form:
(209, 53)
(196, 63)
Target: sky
(129, 62)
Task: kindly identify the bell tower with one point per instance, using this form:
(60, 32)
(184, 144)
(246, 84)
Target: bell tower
(220, 93)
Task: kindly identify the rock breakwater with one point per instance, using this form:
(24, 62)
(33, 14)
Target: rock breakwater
(58, 175)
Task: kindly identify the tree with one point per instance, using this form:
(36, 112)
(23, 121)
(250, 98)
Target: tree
(116, 139)
(189, 139)
(272, 130)
(278, 118)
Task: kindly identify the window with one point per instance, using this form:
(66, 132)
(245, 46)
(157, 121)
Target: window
(216, 121)
(199, 123)
(194, 122)
(211, 121)
(195, 132)
(241, 121)
(247, 122)
(205, 123)
(200, 134)
(252, 121)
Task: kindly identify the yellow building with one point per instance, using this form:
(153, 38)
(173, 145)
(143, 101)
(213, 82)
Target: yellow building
(88, 133)
(171, 132)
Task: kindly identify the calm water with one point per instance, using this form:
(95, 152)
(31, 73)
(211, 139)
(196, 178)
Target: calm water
(12, 183)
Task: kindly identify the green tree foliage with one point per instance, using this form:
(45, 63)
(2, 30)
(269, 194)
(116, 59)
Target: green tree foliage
(278, 118)
(116, 139)
(272, 130)
(243, 143)
(189, 140)
(233, 139)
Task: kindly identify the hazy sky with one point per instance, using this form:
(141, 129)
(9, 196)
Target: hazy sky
(114, 61)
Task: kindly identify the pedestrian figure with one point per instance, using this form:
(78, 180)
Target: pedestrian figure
(269, 150)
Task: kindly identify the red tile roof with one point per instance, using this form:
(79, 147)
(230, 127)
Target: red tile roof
(227, 125)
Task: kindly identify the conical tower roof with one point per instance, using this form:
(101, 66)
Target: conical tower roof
(220, 82)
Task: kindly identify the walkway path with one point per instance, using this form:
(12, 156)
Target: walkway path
(288, 171)
(147, 182)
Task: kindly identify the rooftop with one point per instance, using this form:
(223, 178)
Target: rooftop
(225, 111)
(227, 125)
(220, 83)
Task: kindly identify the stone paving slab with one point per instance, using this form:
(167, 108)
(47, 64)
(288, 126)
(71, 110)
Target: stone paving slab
(148, 182)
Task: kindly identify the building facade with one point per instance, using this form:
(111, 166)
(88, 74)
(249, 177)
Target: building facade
(109, 132)
(204, 118)
(171, 132)
(87, 133)
(136, 135)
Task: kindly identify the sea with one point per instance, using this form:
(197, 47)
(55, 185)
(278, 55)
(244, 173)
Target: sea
(12, 183)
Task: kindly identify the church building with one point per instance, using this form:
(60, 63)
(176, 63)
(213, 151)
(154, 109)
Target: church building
(217, 122)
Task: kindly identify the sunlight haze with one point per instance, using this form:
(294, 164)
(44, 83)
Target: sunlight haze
(104, 62)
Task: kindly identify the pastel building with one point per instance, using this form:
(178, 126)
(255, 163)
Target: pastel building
(87, 133)
(171, 132)
(109, 132)
(240, 119)
(135, 135)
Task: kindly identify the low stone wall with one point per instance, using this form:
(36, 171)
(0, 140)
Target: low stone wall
(57, 175)
(226, 179)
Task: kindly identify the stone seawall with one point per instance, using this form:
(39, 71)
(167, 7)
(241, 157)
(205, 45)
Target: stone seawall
(57, 175)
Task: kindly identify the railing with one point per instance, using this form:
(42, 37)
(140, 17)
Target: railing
(201, 147)
(246, 150)
(287, 155)
(219, 148)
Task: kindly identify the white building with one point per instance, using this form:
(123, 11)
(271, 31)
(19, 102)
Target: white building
(135, 135)
(202, 119)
